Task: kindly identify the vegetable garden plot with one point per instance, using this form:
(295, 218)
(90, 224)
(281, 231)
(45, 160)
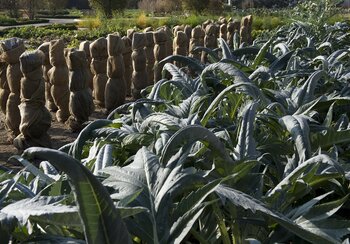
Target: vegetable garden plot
(251, 146)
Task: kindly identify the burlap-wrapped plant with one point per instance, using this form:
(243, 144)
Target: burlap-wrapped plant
(188, 31)
(59, 78)
(35, 117)
(11, 50)
(4, 86)
(222, 20)
(81, 104)
(149, 57)
(206, 23)
(246, 29)
(177, 28)
(85, 46)
(45, 48)
(169, 41)
(98, 51)
(197, 40)
(223, 31)
(130, 33)
(148, 29)
(115, 91)
(127, 64)
(232, 29)
(180, 45)
(138, 56)
(160, 52)
(209, 40)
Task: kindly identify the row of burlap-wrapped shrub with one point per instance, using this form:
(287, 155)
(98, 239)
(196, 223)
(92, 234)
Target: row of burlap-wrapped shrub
(112, 67)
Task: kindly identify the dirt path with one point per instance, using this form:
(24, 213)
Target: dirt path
(60, 135)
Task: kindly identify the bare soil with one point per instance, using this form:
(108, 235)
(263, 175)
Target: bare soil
(59, 132)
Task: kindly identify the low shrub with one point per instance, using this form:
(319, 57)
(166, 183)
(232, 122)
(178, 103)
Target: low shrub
(7, 21)
(90, 23)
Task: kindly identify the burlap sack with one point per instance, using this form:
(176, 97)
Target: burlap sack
(222, 20)
(177, 28)
(85, 46)
(181, 45)
(35, 118)
(244, 31)
(160, 52)
(99, 55)
(56, 53)
(130, 33)
(197, 40)
(45, 48)
(138, 86)
(223, 31)
(138, 56)
(98, 66)
(100, 81)
(210, 40)
(11, 50)
(127, 64)
(169, 41)
(98, 48)
(115, 46)
(230, 34)
(115, 67)
(4, 87)
(188, 31)
(80, 103)
(149, 57)
(206, 23)
(12, 117)
(14, 75)
(59, 78)
(115, 91)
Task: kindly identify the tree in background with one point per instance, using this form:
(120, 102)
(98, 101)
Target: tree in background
(106, 7)
(195, 5)
(215, 6)
(133, 4)
(12, 6)
(30, 7)
(166, 6)
(55, 5)
(160, 6)
(147, 5)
